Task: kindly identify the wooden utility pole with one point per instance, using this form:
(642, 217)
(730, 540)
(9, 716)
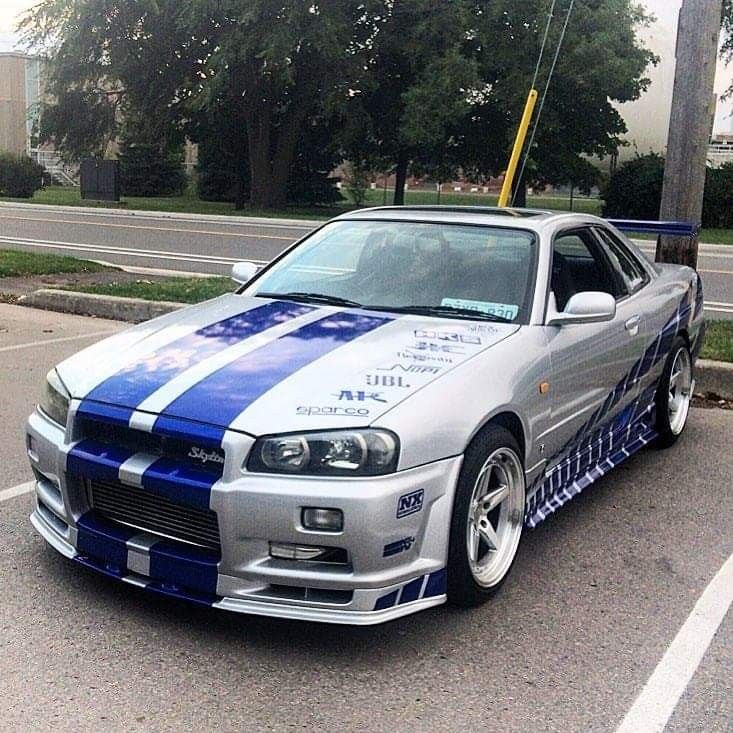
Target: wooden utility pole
(691, 124)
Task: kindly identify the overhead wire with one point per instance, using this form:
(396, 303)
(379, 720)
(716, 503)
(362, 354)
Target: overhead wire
(535, 126)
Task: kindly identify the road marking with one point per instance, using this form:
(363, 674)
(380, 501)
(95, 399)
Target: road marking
(126, 251)
(216, 219)
(655, 704)
(33, 344)
(717, 272)
(107, 225)
(19, 490)
(719, 310)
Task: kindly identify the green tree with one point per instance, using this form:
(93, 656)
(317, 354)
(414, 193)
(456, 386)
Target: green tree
(420, 65)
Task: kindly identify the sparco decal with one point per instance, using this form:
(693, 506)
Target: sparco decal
(328, 410)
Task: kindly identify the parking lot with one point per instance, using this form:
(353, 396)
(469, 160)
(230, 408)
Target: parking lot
(598, 595)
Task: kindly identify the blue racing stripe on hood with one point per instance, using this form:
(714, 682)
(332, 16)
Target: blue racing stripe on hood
(229, 391)
(144, 376)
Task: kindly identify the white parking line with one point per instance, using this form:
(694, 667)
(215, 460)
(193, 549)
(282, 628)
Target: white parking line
(33, 344)
(657, 701)
(19, 490)
(108, 225)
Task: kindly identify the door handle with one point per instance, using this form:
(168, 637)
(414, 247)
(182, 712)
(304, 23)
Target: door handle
(632, 325)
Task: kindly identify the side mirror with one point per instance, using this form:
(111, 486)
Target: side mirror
(243, 272)
(587, 307)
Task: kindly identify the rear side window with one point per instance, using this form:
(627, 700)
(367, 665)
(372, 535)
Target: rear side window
(628, 266)
(578, 265)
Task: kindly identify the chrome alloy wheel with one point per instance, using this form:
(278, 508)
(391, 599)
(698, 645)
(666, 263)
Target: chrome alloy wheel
(680, 390)
(495, 517)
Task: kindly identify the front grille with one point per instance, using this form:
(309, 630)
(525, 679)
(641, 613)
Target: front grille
(144, 510)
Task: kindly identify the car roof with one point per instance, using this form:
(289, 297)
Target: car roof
(515, 218)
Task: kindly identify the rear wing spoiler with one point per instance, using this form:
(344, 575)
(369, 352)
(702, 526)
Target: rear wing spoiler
(670, 228)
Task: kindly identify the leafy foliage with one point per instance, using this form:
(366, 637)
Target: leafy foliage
(20, 177)
(634, 191)
(717, 211)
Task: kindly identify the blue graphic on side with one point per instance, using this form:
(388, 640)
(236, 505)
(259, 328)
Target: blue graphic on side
(600, 444)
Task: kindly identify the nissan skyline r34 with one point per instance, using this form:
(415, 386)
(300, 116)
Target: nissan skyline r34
(368, 425)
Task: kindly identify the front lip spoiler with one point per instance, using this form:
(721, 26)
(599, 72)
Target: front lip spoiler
(253, 607)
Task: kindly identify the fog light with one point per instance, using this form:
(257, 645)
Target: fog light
(323, 520)
(284, 551)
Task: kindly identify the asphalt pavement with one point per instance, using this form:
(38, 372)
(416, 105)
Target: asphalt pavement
(211, 245)
(597, 596)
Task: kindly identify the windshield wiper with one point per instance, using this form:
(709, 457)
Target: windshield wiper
(313, 298)
(441, 310)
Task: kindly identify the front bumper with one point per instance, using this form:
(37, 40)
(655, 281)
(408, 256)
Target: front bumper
(394, 560)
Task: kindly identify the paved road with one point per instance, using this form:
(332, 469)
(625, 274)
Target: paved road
(598, 594)
(213, 244)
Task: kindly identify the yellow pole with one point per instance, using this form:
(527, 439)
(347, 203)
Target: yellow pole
(506, 189)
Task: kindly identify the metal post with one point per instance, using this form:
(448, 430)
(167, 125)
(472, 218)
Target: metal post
(506, 189)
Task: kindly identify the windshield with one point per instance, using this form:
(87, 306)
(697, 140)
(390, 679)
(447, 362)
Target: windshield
(443, 269)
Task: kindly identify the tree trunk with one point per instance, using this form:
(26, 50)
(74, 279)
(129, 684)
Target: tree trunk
(400, 178)
(240, 196)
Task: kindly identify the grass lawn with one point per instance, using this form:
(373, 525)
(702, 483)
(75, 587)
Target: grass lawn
(177, 290)
(69, 196)
(19, 264)
(718, 341)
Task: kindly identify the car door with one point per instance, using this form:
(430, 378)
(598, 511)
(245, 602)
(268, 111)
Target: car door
(590, 362)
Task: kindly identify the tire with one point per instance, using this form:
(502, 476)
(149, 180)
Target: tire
(674, 394)
(495, 452)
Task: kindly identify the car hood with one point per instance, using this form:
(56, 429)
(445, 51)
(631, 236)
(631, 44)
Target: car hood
(264, 366)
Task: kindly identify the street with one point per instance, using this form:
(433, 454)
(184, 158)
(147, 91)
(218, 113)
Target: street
(595, 600)
(188, 243)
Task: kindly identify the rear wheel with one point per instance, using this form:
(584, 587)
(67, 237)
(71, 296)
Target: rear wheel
(674, 394)
(488, 517)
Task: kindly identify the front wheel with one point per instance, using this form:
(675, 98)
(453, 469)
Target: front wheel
(674, 394)
(488, 516)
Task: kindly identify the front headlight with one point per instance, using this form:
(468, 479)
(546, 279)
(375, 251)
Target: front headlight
(334, 453)
(55, 399)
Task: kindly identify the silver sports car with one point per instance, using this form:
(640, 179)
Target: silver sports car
(368, 425)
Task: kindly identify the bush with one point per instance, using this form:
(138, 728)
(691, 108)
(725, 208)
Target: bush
(634, 191)
(717, 209)
(20, 177)
(357, 180)
(150, 169)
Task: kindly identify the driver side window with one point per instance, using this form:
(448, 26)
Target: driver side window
(578, 265)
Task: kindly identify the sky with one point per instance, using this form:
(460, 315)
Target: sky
(647, 128)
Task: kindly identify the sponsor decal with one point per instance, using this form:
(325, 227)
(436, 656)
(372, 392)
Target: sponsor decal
(424, 357)
(437, 348)
(395, 548)
(359, 395)
(330, 410)
(410, 503)
(411, 369)
(201, 454)
(457, 338)
(386, 380)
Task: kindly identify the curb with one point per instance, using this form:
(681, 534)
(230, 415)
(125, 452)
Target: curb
(714, 378)
(112, 307)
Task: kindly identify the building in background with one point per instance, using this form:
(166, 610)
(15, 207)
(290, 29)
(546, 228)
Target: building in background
(20, 96)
